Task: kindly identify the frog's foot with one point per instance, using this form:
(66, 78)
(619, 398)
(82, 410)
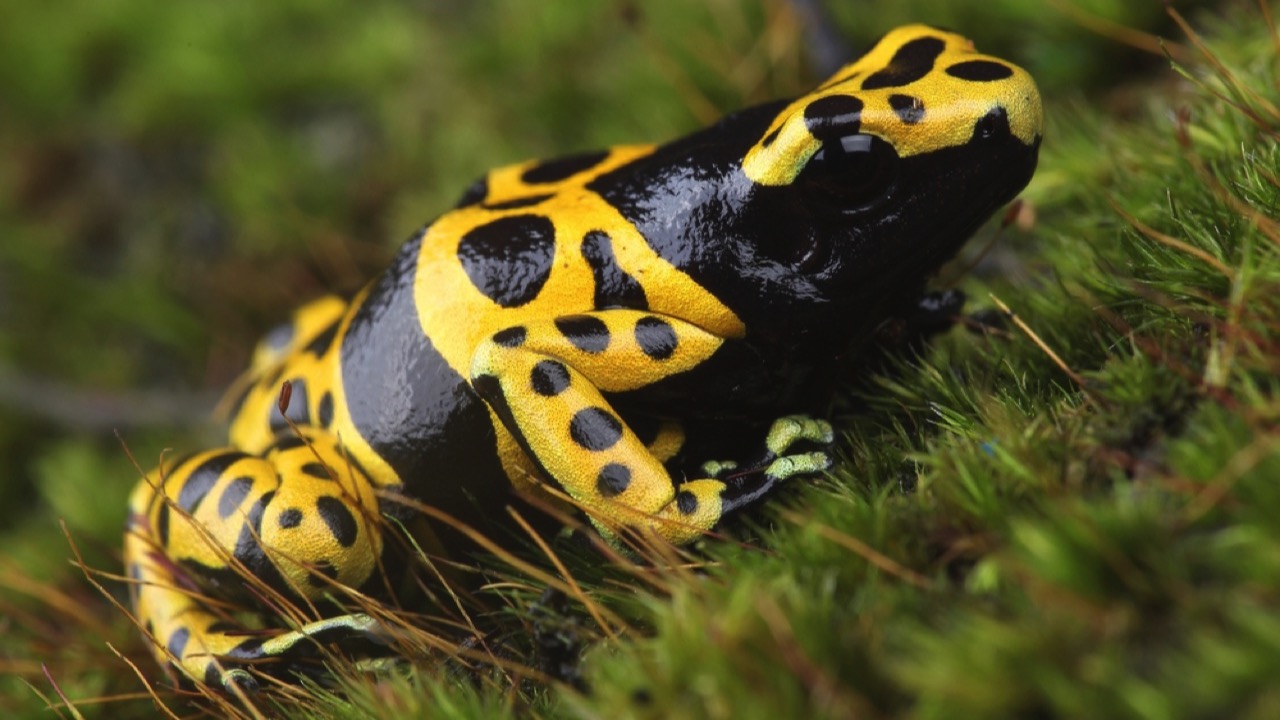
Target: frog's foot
(297, 523)
(204, 645)
(546, 379)
(284, 655)
(747, 482)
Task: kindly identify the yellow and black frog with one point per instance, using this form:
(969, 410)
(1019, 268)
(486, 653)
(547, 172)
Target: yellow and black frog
(588, 330)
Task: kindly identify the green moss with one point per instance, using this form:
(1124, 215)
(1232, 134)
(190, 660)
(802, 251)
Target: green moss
(1005, 536)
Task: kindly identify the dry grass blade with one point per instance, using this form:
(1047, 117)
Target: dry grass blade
(1217, 489)
(151, 692)
(1122, 34)
(825, 693)
(1170, 241)
(1044, 347)
(66, 702)
(14, 579)
(498, 551)
(1271, 25)
(575, 590)
(1229, 77)
(862, 549)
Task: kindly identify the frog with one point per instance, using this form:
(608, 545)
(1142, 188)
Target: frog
(597, 333)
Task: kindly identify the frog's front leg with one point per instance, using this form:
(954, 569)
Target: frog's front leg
(546, 379)
(224, 525)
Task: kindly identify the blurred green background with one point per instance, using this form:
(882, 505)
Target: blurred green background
(178, 176)
(175, 177)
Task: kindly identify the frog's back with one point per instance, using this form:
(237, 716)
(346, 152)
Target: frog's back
(730, 230)
(527, 243)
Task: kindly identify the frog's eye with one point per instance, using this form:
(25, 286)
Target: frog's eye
(850, 174)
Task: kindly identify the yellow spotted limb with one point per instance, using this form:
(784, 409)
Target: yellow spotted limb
(545, 380)
(223, 525)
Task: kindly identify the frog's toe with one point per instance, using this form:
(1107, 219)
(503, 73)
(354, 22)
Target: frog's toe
(778, 461)
(782, 438)
(718, 469)
(789, 430)
(286, 655)
(789, 466)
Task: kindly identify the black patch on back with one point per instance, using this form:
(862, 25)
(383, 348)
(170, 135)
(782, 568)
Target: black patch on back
(249, 551)
(232, 495)
(322, 342)
(178, 642)
(613, 480)
(833, 116)
(911, 62)
(298, 411)
(587, 333)
(519, 202)
(595, 429)
(324, 412)
(279, 337)
(511, 337)
(251, 648)
(490, 388)
(509, 259)
(614, 287)
(689, 172)
(563, 168)
(413, 409)
(290, 518)
(549, 378)
(286, 442)
(656, 337)
(910, 109)
(474, 193)
(341, 522)
(686, 502)
(317, 470)
(980, 70)
(162, 523)
(203, 478)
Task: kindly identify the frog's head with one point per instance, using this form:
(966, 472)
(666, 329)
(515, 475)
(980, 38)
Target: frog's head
(812, 218)
(873, 180)
(918, 92)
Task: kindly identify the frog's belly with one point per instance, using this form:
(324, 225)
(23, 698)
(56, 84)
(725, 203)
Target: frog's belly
(415, 412)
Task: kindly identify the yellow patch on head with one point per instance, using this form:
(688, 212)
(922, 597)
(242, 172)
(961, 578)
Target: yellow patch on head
(919, 89)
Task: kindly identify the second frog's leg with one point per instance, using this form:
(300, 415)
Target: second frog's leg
(225, 524)
(546, 380)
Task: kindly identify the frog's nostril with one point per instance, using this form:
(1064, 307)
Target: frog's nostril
(993, 125)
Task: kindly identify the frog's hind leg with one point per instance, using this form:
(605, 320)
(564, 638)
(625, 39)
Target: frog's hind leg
(546, 381)
(291, 523)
